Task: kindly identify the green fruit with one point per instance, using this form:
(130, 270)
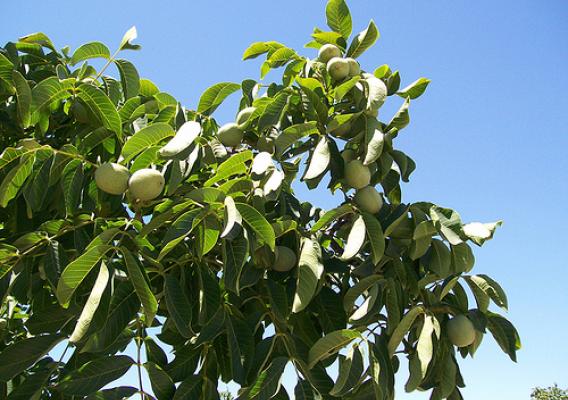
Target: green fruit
(112, 178)
(244, 115)
(377, 92)
(183, 138)
(357, 175)
(369, 199)
(327, 52)
(354, 67)
(461, 331)
(80, 112)
(146, 184)
(265, 144)
(230, 135)
(348, 155)
(338, 68)
(285, 259)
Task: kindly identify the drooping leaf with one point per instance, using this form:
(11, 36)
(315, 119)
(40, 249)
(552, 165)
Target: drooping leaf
(21, 355)
(162, 385)
(350, 370)
(145, 138)
(310, 271)
(129, 78)
(331, 344)
(267, 383)
(363, 41)
(215, 95)
(355, 240)
(178, 305)
(139, 280)
(258, 223)
(90, 50)
(319, 160)
(102, 106)
(403, 327)
(415, 89)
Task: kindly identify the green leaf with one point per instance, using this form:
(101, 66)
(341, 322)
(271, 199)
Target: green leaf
(490, 287)
(189, 389)
(258, 48)
(118, 393)
(345, 88)
(235, 165)
(363, 41)
(206, 235)
(258, 223)
(14, 180)
(24, 96)
(145, 138)
(319, 160)
(376, 237)
(95, 374)
(350, 370)
(178, 305)
(140, 280)
(77, 270)
(38, 38)
(310, 271)
(72, 182)
(462, 258)
(448, 222)
(232, 217)
(332, 215)
(403, 327)
(355, 240)
(338, 17)
(102, 106)
(425, 346)
(162, 385)
(357, 290)
(31, 387)
(505, 334)
(331, 344)
(90, 50)
(6, 68)
(415, 89)
(240, 342)
(439, 259)
(129, 78)
(401, 118)
(376, 142)
(91, 305)
(178, 231)
(126, 42)
(268, 382)
(292, 134)
(304, 391)
(235, 254)
(21, 355)
(215, 95)
(273, 111)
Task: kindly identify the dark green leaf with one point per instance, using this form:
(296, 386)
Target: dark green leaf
(21, 355)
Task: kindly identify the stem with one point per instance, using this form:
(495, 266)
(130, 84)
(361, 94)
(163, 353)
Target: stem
(63, 354)
(110, 60)
(138, 359)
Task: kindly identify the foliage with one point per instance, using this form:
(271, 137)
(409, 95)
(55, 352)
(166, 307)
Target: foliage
(191, 270)
(549, 393)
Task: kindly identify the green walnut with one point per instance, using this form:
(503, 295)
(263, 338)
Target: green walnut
(354, 67)
(146, 184)
(357, 175)
(338, 68)
(112, 178)
(348, 155)
(230, 134)
(460, 331)
(285, 259)
(244, 115)
(369, 199)
(327, 52)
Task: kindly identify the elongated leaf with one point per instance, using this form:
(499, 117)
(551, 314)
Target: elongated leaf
(374, 147)
(491, 287)
(178, 305)
(21, 355)
(332, 215)
(233, 219)
(310, 271)
(162, 385)
(235, 165)
(145, 138)
(425, 346)
(402, 118)
(235, 254)
(72, 182)
(258, 223)
(292, 134)
(49, 91)
(273, 111)
(331, 344)
(24, 96)
(93, 375)
(304, 391)
(30, 388)
(77, 270)
(6, 68)
(363, 41)
(258, 48)
(91, 305)
(189, 389)
(319, 160)
(126, 42)
(215, 95)
(129, 78)
(376, 237)
(357, 290)
(14, 180)
(403, 327)
(139, 280)
(339, 17)
(118, 393)
(102, 106)
(505, 335)
(355, 240)
(415, 89)
(350, 370)
(178, 231)
(90, 50)
(268, 382)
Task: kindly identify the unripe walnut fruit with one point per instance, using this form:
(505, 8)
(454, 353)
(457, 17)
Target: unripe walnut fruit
(338, 68)
(146, 184)
(327, 52)
(354, 67)
(244, 115)
(461, 331)
(369, 199)
(112, 178)
(230, 134)
(285, 259)
(357, 175)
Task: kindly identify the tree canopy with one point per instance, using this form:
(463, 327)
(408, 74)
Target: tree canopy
(127, 218)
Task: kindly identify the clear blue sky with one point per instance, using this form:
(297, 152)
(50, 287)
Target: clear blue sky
(489, 137)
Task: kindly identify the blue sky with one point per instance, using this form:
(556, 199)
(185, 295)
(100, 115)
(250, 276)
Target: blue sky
(489, 136)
